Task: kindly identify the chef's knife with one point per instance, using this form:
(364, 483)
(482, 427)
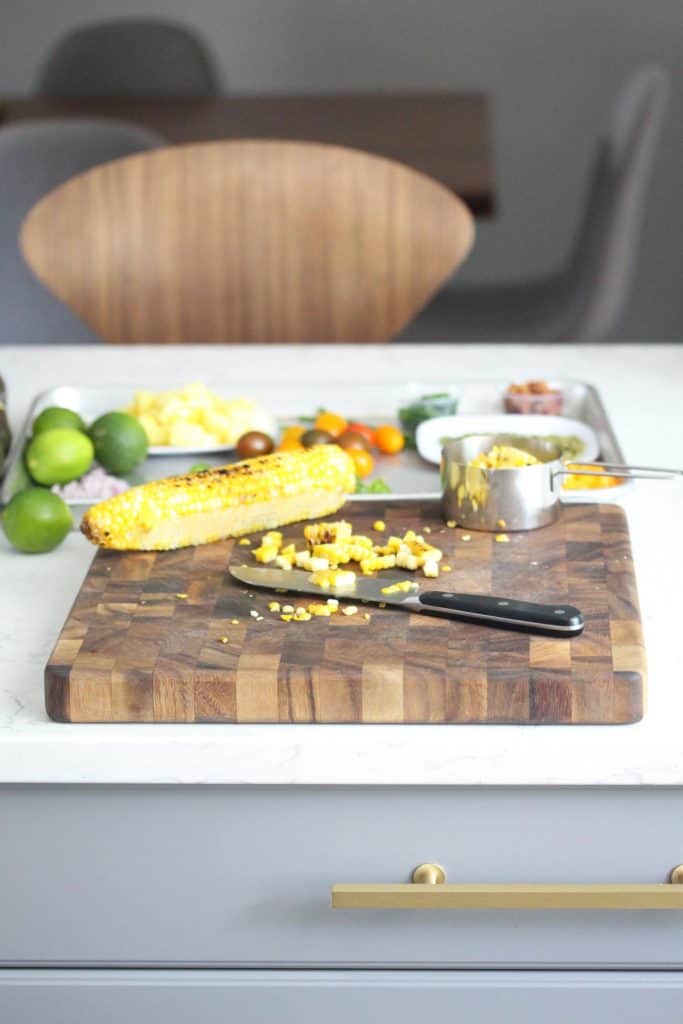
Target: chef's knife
(504, 612)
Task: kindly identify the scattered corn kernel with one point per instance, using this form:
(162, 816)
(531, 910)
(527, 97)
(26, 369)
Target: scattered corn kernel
(327, 578)
(327, 533)
(285, 562)
(235, 622)
(382, 604)
(445, 568)
(502, 538)
(323, 610)
(288, 609)
(181, 597)
(501, 523)
(332, 603)
(367, 616)
(375, 563)
(274, 606)
(427, 529)
(379, 525)
(286, 618)
(301, 615)
(466, 537)
(253, 613)
(397, 588)
(223, 640)
(350, 609)
(451, 524)
(431, 569)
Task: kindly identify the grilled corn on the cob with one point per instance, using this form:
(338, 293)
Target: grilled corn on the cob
(256, 494)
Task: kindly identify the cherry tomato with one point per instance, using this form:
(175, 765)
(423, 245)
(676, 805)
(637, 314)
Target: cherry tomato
(254, 443)
(389, 440)
(313, 437)
(363, 461)
(351, 439)
(332, 422)
(362, 428)
(292, 433)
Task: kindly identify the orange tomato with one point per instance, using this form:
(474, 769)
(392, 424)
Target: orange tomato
(389, 439)
(363, 461)
(290, 444)
(292, 433)
(364, 430)
(332, 422)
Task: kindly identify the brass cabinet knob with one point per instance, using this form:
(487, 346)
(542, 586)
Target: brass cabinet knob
(430, 891)
(429, 874)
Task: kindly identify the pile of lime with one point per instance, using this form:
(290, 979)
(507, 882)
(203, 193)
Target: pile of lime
(63, 448)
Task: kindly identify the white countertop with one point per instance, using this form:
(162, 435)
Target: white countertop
(642, 387)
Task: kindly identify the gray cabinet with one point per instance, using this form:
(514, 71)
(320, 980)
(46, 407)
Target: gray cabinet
(241, 876)
(300, 997)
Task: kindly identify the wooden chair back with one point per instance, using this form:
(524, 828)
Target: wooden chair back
(247, 241)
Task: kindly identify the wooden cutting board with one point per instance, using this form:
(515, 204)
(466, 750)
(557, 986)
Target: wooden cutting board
(146, 638)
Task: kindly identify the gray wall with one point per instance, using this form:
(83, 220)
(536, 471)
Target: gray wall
(552, 67)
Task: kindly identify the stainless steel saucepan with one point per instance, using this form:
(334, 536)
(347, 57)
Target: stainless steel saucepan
(523, 498)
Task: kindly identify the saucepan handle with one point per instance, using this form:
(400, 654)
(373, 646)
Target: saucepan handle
(505, 612)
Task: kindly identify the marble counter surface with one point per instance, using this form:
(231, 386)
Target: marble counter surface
(642, 387)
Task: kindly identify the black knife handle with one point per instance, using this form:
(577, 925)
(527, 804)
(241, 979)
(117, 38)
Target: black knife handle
(547, 619)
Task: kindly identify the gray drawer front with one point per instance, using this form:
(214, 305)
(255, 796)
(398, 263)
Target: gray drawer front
(241, 876)
(299, 997)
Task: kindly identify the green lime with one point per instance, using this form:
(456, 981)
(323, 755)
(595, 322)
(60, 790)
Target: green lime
(120, 441)
(58, 456)
(57, 416)
(36, 520)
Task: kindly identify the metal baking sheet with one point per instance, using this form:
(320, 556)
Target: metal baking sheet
(407, 474)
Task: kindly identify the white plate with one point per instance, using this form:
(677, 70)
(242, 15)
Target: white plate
(430, 433)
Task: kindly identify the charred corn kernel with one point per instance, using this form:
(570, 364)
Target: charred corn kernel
(350, 609)
(451, 524)
(285, 562)
(397, 588)
(320, 610)
(288, 609)
(332, 604)
(229, 501)
(431, 569)
(379, 525)
(406, 560)
(466, 537)
(244, 541)
(327, 533)
(286, 617)
(336, 554)
(375, 563)
(502, 538)
(338, 578)
(274, 606)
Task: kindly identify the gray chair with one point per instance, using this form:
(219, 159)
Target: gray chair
(584, 300)
(35, 157)
(136, 57)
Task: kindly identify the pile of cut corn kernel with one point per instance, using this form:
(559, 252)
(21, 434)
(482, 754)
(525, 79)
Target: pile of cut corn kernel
(331, 545)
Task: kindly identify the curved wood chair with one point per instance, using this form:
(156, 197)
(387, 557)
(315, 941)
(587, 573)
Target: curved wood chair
(247, 241)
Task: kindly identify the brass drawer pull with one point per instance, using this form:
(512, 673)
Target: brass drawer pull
(430, 891)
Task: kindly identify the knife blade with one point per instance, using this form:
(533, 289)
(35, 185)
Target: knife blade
(502, 612)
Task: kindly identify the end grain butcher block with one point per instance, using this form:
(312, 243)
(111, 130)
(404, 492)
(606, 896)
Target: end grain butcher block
(152, 637)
